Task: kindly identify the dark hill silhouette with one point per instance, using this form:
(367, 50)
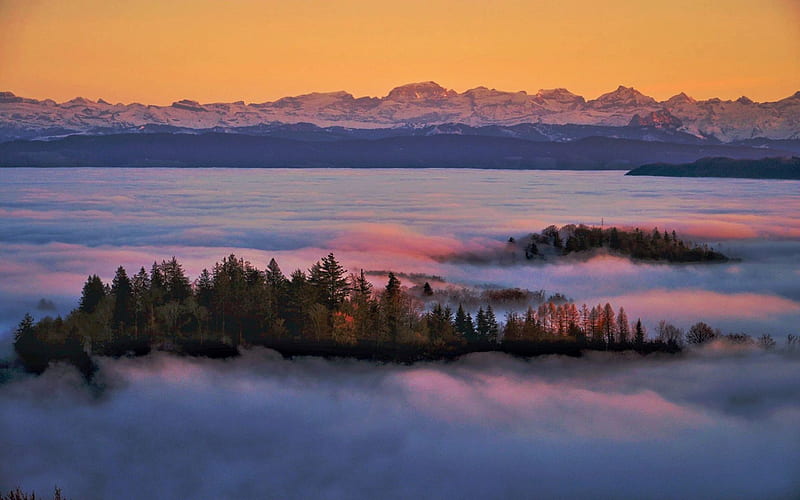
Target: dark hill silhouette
(765, 168)
(444, 151)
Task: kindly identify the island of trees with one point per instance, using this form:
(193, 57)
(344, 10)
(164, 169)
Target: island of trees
(554, 242)
(322, 311)
(643, 245)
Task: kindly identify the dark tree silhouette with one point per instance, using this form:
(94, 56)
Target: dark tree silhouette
(623, 327)
(175, 280)
(669, 333)
(464, 325)
(391, 305)
(700, 333)
(18, 494)
(639, 333)
(492, 328)
(766, 341)
(93, 292)
(124, 301)
(331, 279)
(652, 245)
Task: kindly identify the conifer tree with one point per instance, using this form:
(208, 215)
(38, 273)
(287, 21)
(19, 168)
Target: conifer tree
(440, 323)
(28, 346)
(623, 327)
(639, 333)
(608, 323)
(361, 288)
(158, 290)
(298, 299)
(175, 281)
(274, 275)
(481, 326)
(24, 329)
(513, 328)
(124, 301)
(204, 288)
(464, 325)
(390, 302)
(330, 278)
(93, 292)
(492, 329)
(392, 290)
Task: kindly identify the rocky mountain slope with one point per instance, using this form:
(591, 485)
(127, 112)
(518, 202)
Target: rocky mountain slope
(416, 105)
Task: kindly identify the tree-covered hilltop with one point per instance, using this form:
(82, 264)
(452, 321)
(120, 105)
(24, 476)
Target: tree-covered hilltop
(323, 310)
(643, 245)
(763, 168)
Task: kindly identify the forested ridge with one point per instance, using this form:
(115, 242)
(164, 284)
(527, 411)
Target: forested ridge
(757, 168)
(321, 311)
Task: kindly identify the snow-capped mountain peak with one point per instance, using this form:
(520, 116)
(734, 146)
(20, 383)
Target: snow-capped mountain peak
(681, 98)
(420, 91)
(622, 97)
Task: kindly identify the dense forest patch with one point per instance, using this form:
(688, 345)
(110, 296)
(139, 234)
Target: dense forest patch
(554, 242)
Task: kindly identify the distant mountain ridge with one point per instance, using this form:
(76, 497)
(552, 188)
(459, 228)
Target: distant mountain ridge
(417, 105)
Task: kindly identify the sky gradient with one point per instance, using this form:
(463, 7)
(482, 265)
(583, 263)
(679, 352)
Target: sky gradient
(209, 50)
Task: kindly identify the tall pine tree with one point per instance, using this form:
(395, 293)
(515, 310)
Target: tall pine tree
(124, 311)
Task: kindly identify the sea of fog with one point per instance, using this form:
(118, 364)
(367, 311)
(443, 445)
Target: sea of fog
(713, 424)
(718, 422)
(57, 226)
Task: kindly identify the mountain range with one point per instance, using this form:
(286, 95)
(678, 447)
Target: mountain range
(422, 109)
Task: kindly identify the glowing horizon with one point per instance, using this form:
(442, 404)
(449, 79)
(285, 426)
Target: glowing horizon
(157, 53)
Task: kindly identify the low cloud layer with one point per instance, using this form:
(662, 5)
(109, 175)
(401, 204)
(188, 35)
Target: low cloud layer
(714, 424)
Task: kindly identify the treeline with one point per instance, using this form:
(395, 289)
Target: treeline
(644, 245)
(762, 168)
(18, 494)
(323, 310)
(701, 333)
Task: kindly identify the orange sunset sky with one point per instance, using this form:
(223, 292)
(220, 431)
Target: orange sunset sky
(158, 51)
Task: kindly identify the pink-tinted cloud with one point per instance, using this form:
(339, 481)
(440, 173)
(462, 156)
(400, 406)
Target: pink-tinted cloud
(521, 404)
(693, 305)
(395, 239)
(730, 226)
